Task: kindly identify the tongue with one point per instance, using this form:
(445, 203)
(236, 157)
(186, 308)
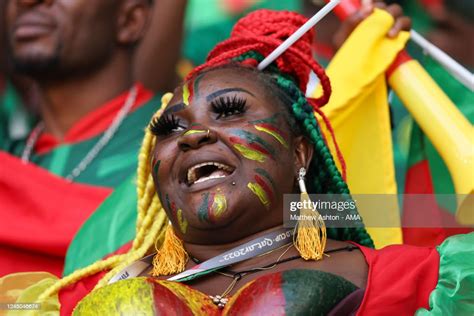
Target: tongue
(215, 174)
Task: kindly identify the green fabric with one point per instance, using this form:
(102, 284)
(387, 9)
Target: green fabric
(454, 293)
(109, 227)
(14, 121)
(405, 130)
(114, 163)
(310, 292)
(205, 28)
(113, 223)
(408, 132)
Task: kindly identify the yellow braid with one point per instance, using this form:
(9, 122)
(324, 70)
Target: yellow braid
(143, 207)
(143, 171)
(151, 220)
(152, 234)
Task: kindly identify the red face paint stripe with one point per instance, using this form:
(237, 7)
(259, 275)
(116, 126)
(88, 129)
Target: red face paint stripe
(210, 201)
(191, 91)
(264, 185)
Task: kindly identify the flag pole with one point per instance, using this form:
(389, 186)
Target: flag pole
(452, 66)
(298, 34)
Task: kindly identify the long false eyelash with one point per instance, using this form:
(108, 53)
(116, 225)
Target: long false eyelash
(164, 125)
(227, 106)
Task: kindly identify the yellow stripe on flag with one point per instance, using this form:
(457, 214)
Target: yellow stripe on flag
(359, 113)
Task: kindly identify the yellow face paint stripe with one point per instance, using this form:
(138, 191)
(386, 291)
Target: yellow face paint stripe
(182, 222)
(260, 193)
(194, 131)
(249, 153)
(186, 94)
(277, 136)
(219, 205)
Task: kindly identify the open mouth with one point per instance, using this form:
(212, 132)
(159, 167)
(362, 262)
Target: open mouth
(206, 171)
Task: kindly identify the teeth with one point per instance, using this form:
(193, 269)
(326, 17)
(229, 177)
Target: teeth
(192, 175)
(209, 178)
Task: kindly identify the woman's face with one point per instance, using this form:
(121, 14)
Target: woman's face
(224, 157)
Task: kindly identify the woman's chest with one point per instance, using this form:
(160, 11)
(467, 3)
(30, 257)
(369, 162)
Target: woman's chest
(292, 292)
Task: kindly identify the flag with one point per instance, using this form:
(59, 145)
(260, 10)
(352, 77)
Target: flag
(359, 113)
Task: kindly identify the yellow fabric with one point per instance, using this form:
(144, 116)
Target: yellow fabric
(26, 287)
(359, 113)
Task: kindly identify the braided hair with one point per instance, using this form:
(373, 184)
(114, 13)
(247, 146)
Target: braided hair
(256, 36)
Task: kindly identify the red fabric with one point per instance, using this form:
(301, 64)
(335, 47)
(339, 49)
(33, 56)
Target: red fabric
(94, 123)
(40, 213)
(71, 295)
(400, 279)
(419, 181)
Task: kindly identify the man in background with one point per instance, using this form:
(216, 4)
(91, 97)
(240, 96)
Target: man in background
(92, 113)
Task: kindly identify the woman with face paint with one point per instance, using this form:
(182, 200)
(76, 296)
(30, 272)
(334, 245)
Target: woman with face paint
(215, 163)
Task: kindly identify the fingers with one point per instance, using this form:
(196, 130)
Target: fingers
(394, 10)
(402, 23)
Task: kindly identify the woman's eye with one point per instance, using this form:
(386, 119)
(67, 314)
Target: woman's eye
(166, 125)
(228, 106)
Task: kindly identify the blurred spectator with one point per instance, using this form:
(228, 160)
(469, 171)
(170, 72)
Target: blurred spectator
(91, 116)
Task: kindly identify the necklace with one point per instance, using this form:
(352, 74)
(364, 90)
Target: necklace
(222, 299)
(97, 148)
(256, 247)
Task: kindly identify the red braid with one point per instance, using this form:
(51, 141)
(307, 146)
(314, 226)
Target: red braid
(264, 30)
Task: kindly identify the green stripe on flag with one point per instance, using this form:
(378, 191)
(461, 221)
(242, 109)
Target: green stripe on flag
(107, 229)
(59, 160)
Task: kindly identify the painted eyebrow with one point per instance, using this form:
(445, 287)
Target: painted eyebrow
(218, 93)
(175, 108)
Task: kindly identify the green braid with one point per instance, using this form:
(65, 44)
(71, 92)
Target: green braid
(323, 175)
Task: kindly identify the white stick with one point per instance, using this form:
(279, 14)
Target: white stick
(298, 34)
(453, 67)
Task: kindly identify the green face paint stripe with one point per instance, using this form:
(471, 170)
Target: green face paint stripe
(252, 138)
(267, 176)
(196, 84)
(155, 168)
(272, 119)
(203, 213)
(168, 203)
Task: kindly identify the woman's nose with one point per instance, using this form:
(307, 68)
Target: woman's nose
(196, 138)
